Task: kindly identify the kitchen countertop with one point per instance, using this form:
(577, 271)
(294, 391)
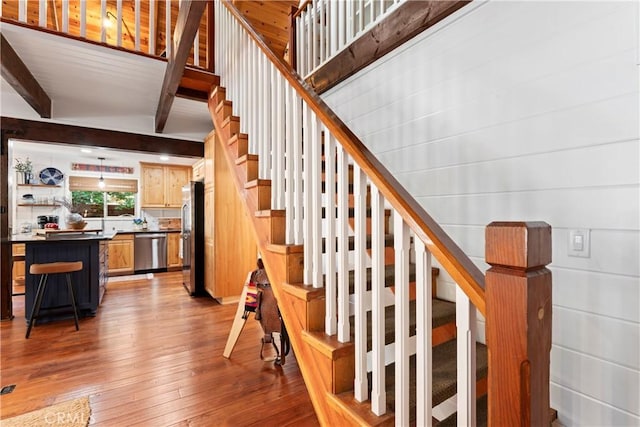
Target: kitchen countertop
(67, 237)
(30, 238)
(147, 231)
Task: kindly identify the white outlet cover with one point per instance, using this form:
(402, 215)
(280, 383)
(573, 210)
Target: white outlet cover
(579, 244)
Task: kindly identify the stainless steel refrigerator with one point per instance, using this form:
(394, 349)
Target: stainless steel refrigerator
(193, 238)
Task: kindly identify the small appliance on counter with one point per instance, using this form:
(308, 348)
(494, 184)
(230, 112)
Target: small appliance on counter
(47, 219)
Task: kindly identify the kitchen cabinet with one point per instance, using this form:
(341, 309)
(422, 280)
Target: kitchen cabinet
(198, 170)
(174, 259)
(161, 185)
(229, 249)
(18, 262)
(120, 254)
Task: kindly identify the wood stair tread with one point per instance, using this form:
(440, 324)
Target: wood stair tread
(444, 374)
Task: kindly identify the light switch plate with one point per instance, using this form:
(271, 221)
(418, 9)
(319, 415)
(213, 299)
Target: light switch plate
(579, 244)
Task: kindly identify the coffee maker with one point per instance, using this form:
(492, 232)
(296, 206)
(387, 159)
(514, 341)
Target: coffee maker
(46, 219)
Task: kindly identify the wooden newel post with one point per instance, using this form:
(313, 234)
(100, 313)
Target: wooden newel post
(293, 39)
(518, 296)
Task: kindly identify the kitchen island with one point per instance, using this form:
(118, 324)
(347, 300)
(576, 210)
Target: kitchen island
(89, 284)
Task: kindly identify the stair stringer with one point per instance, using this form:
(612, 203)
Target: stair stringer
(319, 368)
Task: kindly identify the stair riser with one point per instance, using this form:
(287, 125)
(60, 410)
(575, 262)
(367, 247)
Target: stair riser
(260, 195)
(249, 169)
(241, 143)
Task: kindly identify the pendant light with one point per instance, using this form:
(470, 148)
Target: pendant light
(101, 180)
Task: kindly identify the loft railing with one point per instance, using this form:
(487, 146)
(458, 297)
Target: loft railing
(308, 155)
(144, 26)
(322, 28)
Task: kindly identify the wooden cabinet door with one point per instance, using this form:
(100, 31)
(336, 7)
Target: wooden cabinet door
(173, 250)
(176, 178)
(18, 271)
(209, 241)
(153, 185)
(198, 170)
(121, 256)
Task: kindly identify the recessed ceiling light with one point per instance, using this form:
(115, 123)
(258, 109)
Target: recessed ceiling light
(164, 158)
(85, 150)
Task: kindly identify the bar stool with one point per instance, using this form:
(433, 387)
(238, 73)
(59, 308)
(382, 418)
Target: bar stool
(52, 268)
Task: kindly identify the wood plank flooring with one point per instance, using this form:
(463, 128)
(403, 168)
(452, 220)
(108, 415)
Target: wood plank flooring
(151, 357)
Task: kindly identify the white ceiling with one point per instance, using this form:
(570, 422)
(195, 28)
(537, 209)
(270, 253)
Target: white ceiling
(99, 87)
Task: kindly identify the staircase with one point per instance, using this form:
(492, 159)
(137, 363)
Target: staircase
(349, 255)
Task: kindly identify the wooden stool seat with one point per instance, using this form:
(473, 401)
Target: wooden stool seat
(52, 268)
(55, 267)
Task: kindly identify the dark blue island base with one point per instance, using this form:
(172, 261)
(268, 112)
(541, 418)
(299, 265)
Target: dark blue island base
(89, 284)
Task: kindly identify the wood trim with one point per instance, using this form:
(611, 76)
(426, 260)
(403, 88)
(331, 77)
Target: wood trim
(80, 39)
(407, 21)
(293, 40)
(185, 31)
(6, 308)
(56, 133)
(16, 73)
(211, 39)
(302, 8)
(463, 271)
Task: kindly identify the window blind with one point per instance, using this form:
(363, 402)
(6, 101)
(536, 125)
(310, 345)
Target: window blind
(86, 183)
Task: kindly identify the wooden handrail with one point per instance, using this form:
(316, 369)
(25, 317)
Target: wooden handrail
(466, 274)
(302, 8)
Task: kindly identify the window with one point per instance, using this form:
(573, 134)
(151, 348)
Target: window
(94, 204)
(117, 198)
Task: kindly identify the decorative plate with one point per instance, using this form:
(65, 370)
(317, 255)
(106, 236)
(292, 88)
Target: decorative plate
(51, 176)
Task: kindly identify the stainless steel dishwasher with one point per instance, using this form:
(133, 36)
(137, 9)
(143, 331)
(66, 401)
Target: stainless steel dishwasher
(150, 251)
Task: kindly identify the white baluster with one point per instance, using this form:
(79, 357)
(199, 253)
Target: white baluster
(316, 206)
(137, 25)
(152, 31)
(196, 49)
(466, 347)
(279, 137)
(378, 397)
(297, 167)
(103, 18)
(309, 44)
(22, 10)
(424, 355)
(401, 249)
(343, 244)
(42, 13)
(321, 32)
(308, 197)
(361, 381)
(65, 16)
(119, 23)
(167, 29)
(289, 194)
(331, 292)
(83, 19)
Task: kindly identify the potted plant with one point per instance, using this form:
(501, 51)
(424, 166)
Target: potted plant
(24, 171)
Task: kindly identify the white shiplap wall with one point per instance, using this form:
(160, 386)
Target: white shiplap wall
(529, 111)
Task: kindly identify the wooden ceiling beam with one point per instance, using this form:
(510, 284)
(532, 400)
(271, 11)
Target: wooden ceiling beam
(55, 133)
(407, 21)
(16, 73)
(186, 27)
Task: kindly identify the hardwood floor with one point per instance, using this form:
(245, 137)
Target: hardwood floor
(152, 357)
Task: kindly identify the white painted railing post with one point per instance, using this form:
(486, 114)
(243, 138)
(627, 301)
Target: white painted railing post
(361, 382)
(401, 249)
(331, 291)
(343, 242)
(152, 29)
(378, 397)
(424, 355)
(466, 351)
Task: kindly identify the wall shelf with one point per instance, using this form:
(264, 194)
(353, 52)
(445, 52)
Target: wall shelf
(39, 185)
